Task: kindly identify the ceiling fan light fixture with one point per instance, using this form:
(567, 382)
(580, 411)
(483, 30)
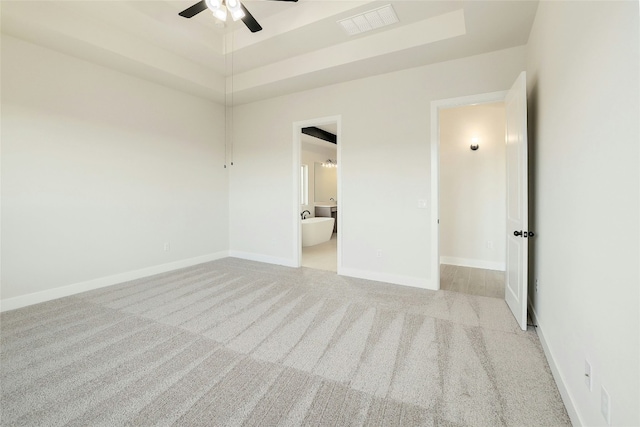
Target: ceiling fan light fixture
(237, 14)
(217, 8)
(235, 8)
(213, 5)
(221, 8)
(221, 13)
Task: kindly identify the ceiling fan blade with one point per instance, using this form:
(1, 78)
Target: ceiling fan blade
(250, 21)
(192, 11)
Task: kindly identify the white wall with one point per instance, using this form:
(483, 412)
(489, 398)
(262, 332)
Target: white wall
(99, 170)
(583, 81)
(384, 164)
(473, 186)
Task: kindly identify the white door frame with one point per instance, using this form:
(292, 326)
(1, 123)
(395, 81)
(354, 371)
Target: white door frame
(297, 225)
(436, 106)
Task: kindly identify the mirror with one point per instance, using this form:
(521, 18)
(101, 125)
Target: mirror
(326, 183)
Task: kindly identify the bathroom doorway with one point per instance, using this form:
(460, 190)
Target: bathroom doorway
(317, 236)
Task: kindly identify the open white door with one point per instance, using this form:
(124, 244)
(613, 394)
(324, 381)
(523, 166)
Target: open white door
(517, 200)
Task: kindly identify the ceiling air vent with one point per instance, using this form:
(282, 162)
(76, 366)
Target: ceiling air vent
(370, 20)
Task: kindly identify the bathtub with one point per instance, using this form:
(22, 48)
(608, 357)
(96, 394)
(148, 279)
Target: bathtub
(316, 230)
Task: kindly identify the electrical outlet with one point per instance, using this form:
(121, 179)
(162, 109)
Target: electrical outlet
(167, 247)
(489, 244)
(605, 405)
(422, 204)
(379, 253)
(587, 374)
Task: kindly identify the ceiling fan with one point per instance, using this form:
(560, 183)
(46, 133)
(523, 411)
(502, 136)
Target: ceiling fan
(220, 8)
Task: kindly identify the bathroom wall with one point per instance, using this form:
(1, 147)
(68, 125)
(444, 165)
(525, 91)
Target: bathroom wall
(473, 186)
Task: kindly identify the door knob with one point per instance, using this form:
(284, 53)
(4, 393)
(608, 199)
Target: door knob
(517, 233)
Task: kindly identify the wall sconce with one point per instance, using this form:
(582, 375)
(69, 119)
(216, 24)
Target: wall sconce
(330, 164)
(474, 144)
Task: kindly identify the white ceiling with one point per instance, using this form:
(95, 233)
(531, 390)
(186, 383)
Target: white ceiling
(300, 47)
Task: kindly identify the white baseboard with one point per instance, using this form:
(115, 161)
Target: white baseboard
(262, 258)
(474, 263)
(76, 288)
(557, 376)
(387, 278)
(350, 272)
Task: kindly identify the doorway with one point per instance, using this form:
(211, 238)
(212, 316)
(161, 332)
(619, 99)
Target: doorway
(517, 203)
(473, 199)
(462, 261)
(317, 164)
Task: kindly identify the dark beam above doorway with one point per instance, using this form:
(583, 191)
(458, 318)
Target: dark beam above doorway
(319, 133)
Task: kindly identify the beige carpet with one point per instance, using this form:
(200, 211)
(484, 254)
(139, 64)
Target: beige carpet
(234, 342)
